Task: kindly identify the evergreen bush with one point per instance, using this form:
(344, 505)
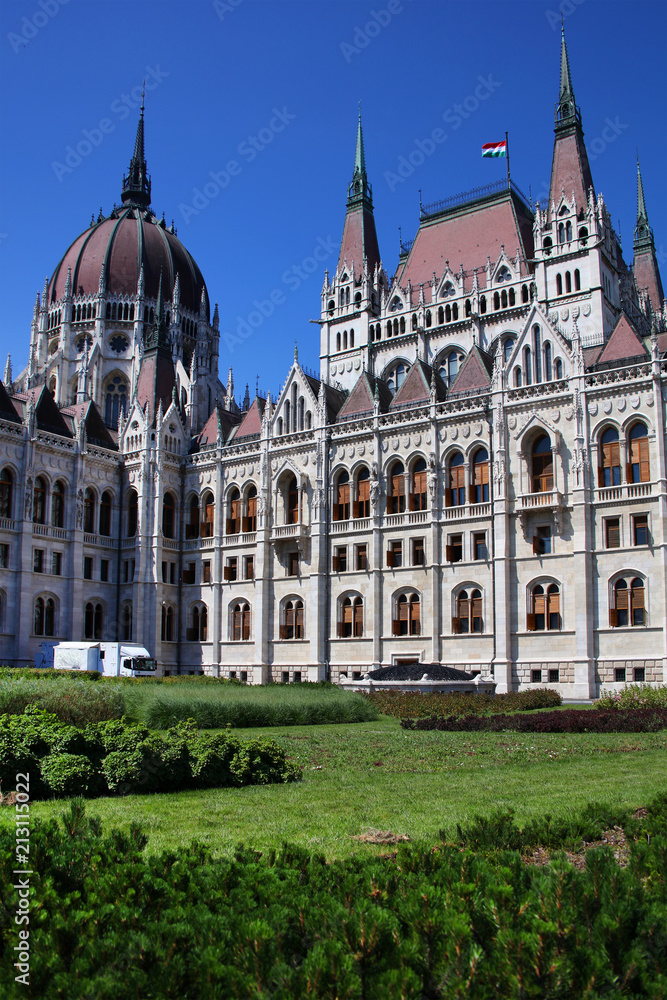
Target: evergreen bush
(67, 774)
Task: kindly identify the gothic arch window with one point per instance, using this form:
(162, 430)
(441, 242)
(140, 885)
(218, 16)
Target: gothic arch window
(192, 522)
(544, 605)
(518, 377)
(527, 366)
(628, 604)
(455, 494)
(524, 293)
(482, 304)
(291, 495)
(609, 472)
(448, 367)
(341, 506)
(39, 501)
(362, 505)
(568, 282)
(414, 321)
(115, 400)
(448, 313)
(208, 522)
(197, 630)
(508, 347)
(234, 512)
(418, 492)
(331, 306)
(406, 619)
(44, 621)
(468, 612)
(568, 231)
(6, 492)
(168, 515)
(537, 346)
(548, 243)
(93, 620)
(561, 232)
(58, 504)
(503, 299)
(167, 631)
(559, 368)
(512, 297)
(291, 619)
(126, 621)
(577, 279)
(250, 520)
(480, 477)
(301, 406)
(132, 508)
(395, 377)
(548, 367)
(504, 275)
(496, 300)
(468, 309)
(350, 617)
(441, 315)
(396, 491)
(89, 509)
(639, 469)
(428, 317)
(344, 340)
(542, 468)
(559, 284)
(239, 622)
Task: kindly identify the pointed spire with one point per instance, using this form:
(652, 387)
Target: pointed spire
(570, 169)
(359, 158)
(45, 295)
(176, 297)
(645, 265)
(216, 318)
(230, 388)
(566, 90)
(35, 312)
(567, 112)
(359, 191)
(246, 398)
(137, 185)
(296, 351)
(8, 371)
(643, 232)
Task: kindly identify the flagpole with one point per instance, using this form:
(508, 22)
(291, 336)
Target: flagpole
(507, 147)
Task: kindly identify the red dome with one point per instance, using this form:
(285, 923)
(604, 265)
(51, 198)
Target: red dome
(130, 237)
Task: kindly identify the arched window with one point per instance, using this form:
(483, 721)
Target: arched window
(448, 313)
(341, 506)
(609, 473)
(406, 616)
(548, 368)
(537, 344)
(167, 632)
(480, 477)
(93, 620)
(544, 611)
(168, 515)
(105, 513)
(6, 492)
(362, 505)
(561, 232)
(527, 366)
(524, 293)
(482, 304)
(496, 300)
(577, 280)
(568, 282)
(396, 377)
(503, 298)
(292, 502)
(239, 630)
(508, 347)
(414, 321)
(208, 522)
(455, 495)
(396, 492)
(542, 466)
(449, 366)
(441, 315)
(639, 469)
(132, 504)
(233, 525)
(338, 341)
(418, 492)
(89, 500)
(126, 621)
(192, 523)
(428, 317)
(628, 604)
(351, 618)
(568, 231)
(344, 340)
(58, 505)
(468, 617)
(291, 626)
(559, 285)
(250, 521)
(197, 631)
(45, 616)
(518, 377)
(548, 243)
(512, 297)
(115, 401)
(39, 501)
(559, 368)
(468, 309)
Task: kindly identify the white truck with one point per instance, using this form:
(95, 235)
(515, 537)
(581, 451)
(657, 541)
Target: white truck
(113, 659)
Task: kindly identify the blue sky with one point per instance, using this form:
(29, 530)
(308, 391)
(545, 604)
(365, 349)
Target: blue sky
(273, 87)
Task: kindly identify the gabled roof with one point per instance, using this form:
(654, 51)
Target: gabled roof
(474, 373)
(334, 397)
(48, 416)
(97, 433)
(209, 433)
(251, 424)
(417, 386)
(7, 408)
(623, 343)
(362, 397)
(156, 381)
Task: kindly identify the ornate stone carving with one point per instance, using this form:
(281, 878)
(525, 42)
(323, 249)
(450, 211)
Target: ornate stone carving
(79, 509)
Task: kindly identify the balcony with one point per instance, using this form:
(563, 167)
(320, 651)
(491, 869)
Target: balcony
(47, 531)
(467, 511)
(91, 539)
(240, 538)
(283, 532)
(625, 491)
(7, 524)
(551, 499)
(353, 525)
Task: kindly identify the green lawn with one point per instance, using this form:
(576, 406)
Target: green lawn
(415, 783)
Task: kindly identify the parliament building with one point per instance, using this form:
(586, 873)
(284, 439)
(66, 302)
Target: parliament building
(476, 478)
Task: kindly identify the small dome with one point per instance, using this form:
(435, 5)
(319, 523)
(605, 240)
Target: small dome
(129, 237)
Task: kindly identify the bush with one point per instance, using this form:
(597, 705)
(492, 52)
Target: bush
(634, 696)
(76, 704)
(49, 673)
(644, 720)
(67, 774)
(414, 704)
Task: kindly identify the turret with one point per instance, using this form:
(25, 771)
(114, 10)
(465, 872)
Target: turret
(137, 185)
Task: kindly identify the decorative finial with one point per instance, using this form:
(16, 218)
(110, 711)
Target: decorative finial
(296, 351)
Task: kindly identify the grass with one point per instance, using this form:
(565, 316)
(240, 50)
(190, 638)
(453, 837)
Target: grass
(74, 702)
(214, 707)
(376, 775)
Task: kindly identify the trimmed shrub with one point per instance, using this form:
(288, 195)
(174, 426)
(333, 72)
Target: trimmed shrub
(644, 720)
(634, 696)
(414, 704)
(68, 774)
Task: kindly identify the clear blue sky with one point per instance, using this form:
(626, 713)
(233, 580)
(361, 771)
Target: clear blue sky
(218, 73)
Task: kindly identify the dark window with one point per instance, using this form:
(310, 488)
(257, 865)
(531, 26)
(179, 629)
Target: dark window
(542, 540)
(554, 676)
(89, 511)
(612, 528)
(480, 477)
(292, 497)
(340, 559)
(206, 571)
(479, 545)
(362, 557)
(341, 507)
(249, 568)
(192, 523)
(38, 561)
(58, 505)
(545, 610)
(292, 627)
(455, 496)
(132, 513)
(619, 675)
(454, 549)
(407, 620)
(45, 616)
(93, 620)
(639, 675)
(233, 525)
(639, 470)
(6, 489)
(87, 567)
(231, 569)
(395, 555)
(126, 622)
(189, 573)
(208, 523)
(293, 564)
(640, 529)
(418, 494)
(542, 466)
(240, 624)
(418, 555)
(351, 618)
(104, 570)
(610, 470)
(56, 563)
(167, 623)
(105, 513)
(4, 556)
(396, 497)
(251, 517)
(536, 676)
(168, 516)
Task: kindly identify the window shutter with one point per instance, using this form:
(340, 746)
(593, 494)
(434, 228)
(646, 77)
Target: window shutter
(622, 600)
(628, 472)
(358, 619)
(536, 545)
(390, 506)
(403, 612)
(395, 627)
(530, 623)
(334, 564)
(191, 634)
(637, 597)
(600, 476)
(540, 604)
(335, 512)
(236, 626)
(644, 465)
(229, 526)
(411, 501)
(299, 623)
(613, 617)
(390, 557)
(471, 494)
(227, 572)
(283, 631)
(449, 502)
(246, 624)
(449, 553)
(245, 524)
(477, 607)
(463, 608)
(341, 630)
(613, 535)
(456, 626)
(355, 509)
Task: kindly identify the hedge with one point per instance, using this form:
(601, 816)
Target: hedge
(116, 758)
(414, 704)
(642, 720)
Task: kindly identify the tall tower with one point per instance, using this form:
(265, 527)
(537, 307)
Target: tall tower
(645, 266)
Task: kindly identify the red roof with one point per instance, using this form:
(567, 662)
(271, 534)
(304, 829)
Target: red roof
(623, 343)
(647, 276)
(570, 170)
(252, 421)
(359, 240)
(417, 386)
(474, 373)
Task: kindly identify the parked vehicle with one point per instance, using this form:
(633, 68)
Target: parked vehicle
(113, 659)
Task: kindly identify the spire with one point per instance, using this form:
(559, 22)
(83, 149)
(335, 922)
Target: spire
(359, 246)
(359, 158)
(157, 337)
(8, 371)
(645, 265)
(570, 170)
(359, 191)
(137, 185)
(643, 232)
(566, 91)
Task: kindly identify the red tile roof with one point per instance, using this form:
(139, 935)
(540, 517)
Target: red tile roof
(359, 239)
(417, 386)
(362, 397)
(252, 421)
(474, 373)
(570, 170)
(647, 276)
(623, 343)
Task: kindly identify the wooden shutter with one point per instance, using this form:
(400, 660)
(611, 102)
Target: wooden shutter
(341, 630)
(463, 608)
(283, 631)
(227, 573)
(390, 504)
(358, 620)
(477, 607)
(404, 611)
(229, 526)
(536, 545)
(530, 622)
(411, 501)
(236, 626)
(335, 514)
(621, 600)
(415, 619)
(245, 524)
(637, 601)
(471, 494)
(456, 626)
(613, 617)
(298, 626)
(246, 624)
(639, 456)
(600, 476)
(449, 499)
(396, 627)
(355, 509)
(334, 564)
(613, 534)
(539, 604)
(449, 553)
(390, 557)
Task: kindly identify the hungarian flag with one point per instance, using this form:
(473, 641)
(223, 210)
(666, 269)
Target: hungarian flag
(494, 148)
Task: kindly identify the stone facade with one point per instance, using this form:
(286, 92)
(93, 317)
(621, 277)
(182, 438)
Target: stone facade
(477, 477)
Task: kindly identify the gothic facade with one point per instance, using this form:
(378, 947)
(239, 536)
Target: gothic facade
(476, 478)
